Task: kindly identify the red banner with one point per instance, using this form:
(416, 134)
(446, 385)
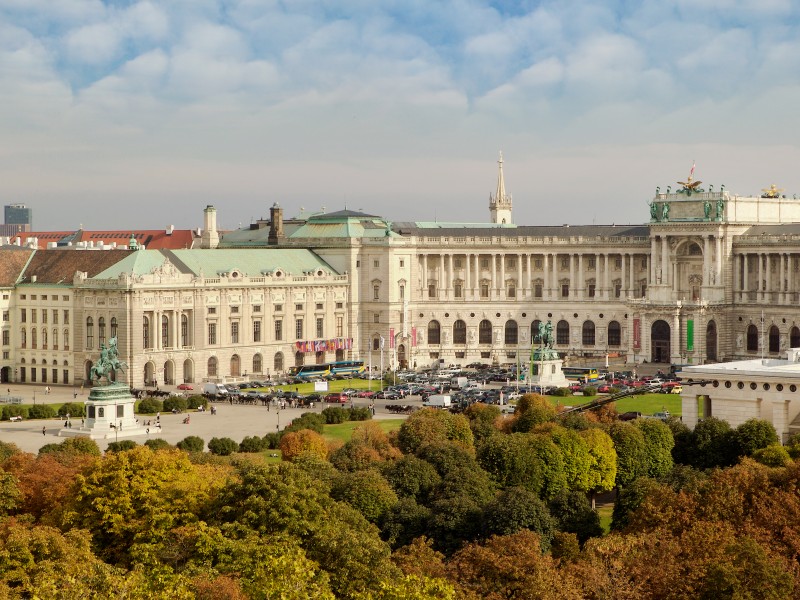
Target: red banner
(413, 337)
(391, 337)
(637, 333)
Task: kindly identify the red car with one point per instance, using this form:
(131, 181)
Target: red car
(336, 397)
(186, 386)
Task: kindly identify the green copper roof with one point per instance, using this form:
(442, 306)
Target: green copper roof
(211, 263)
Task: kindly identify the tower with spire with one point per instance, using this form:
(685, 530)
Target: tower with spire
(500, 203)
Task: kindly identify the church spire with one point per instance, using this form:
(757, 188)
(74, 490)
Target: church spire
(500, 203)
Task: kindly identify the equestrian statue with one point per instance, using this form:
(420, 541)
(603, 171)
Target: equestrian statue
(109, 363)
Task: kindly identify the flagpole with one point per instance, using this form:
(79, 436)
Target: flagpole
(382, 343)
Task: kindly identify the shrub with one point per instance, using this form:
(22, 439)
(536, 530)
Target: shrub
(774, 455)
(178, 403)
(150, 406)
(222, 446)
(122, 446)
(312, 421)
(156, 444)
(7, 449)
(73, 446)
(252, 444)
(562, 392)
(73, 409)
(197, 402)
(14, 411)
(192, 443)
(335, 415)
(590, 390)
(362, 413)
(272, 440)
(41, 411)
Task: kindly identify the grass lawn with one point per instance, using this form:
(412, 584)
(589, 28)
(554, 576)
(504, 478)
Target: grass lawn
(344, 431)
(647, 404)
(337, 385)
(605, 513)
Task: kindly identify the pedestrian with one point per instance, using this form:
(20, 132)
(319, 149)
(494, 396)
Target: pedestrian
(44, 430)
(82, 422)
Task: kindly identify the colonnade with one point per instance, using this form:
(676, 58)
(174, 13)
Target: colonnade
(173, 337)
(663, 263)
(503, 275)
(764, 277)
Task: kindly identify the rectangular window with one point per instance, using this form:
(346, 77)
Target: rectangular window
(212, 334)
(644, 290)
(55, 375)
(484, 290)
(6, 337)
(33, 315)
(457, 262)
(234, 332)
(432, 290)
(298, 307)
(537, 263)
(339, 326)
(234, 309)
(565, 290)
(618, 263)
(65, 376)
(376, 263)
(65, 298)
(591, 290)
(537, 290)
(44, 375)
(402, 292)
(256, 331)
(44, 315)
(23, 315)
(512, 291)
(512, 262)
(22, 297)
(6, 316)
(6, 354)
(66, 317)
(320, 327)
(55, 317)
(457, 290)
(358, 263)
(212, 310)
(617, 290)
(33, 374)
(278, 307)
(565, 263)
(319, 306)
(256, 308)
(340, 305)
(22, 374)
(33, 297)
(376, 318)
(402, 263)
(376, 292)
(278, 330)
(485, 263)
(298, 329)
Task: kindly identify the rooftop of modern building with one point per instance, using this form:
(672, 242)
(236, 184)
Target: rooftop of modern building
(788, 366)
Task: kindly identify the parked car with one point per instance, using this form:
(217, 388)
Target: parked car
(336, 397)
(671, 387)
(185, 386)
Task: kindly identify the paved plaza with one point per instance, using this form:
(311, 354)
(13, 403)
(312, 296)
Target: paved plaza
(235, 421)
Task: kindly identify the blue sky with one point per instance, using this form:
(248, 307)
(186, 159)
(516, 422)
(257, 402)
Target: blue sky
(137, 114)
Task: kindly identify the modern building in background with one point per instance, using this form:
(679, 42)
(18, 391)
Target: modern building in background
(17, 219)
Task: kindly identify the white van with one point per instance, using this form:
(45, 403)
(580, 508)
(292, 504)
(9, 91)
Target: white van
(438, 401)
(214, 388)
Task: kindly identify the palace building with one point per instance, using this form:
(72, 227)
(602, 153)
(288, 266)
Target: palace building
(709, 277)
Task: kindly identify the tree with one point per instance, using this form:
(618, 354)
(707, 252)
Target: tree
(157, 444)
(222, 446)
(752, 435)
(631, 449)
(573, 514)
(429, 426)
(527, 460)
(515, 509)
(305, 441)
(447, 456)
(412, 477)
(175, 404)
(10, 494)
(712, 444)
(8, 449)
(532, 410)
(482, 419)
(602, 459)
(253, 444)
(122, 446)
(575, 452)
(658, 445)
(41, 411)
(73, 409)
(630, 498)
(405, 522)
(366, 491)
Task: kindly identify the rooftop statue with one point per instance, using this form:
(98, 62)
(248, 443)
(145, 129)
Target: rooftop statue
(108, 364)
(665, 211)
(690, 187)
(772, 192)
(653, 211)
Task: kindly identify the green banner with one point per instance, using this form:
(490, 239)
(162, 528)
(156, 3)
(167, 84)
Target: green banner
(690, 335)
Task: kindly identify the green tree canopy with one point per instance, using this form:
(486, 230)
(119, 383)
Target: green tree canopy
(431, 426)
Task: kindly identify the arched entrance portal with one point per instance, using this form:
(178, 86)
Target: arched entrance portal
(87, 370)
(169, 373)
(188, 371)
(402, 361)
(149, 373)
(711, 341)
(5, 375)
(659, 342)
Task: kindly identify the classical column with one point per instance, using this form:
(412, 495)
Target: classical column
(745, 285)
(632, 286)
(606, 277)
(493, 293)
(653, 255)
(623, 279)
(790, 277)
(768, 267)
(675, 345)
(572, 283)
(520, 287)
(529, 276)
(664, 261)
(176, 328)
(424, 260)
(467, 278)
(546, 282)
(502, 287)
(718, 277)
(580, 277)
(157, 332)
(781, 277)
(706, 260)
(737, 263)
(450, 275)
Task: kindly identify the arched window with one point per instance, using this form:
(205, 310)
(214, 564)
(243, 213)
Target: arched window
(299, 359)
(459, 332)
(101, 330)
(376, 343)
(277, 363)
(511, 333)
(145, 332)
(434, 333)
(235, 366)
(485, 332)
(535, 331)
(185, 331)
(164, 331)
(711, 341)
(23, 337)
(113, 327)
(55, 339)
(587, 333)
(212, 367)
(794, 337)
(66, 339)
(34, 338)
(339, 355)
(320, 357)
(562, 333)
(257, 368)
(44, 338)
(614, 334)
(752, 338)
(774, 339)
(89, 333)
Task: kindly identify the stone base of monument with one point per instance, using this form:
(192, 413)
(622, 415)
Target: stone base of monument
(109, 415)
(548, 373)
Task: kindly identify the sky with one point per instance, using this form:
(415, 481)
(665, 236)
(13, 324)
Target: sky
(125, 114)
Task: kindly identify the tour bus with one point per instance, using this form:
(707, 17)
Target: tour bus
(582, 374)
(341, 367)
(347, 367)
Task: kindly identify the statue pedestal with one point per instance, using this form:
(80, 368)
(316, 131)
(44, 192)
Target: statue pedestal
(109, 415)
(548, 373)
